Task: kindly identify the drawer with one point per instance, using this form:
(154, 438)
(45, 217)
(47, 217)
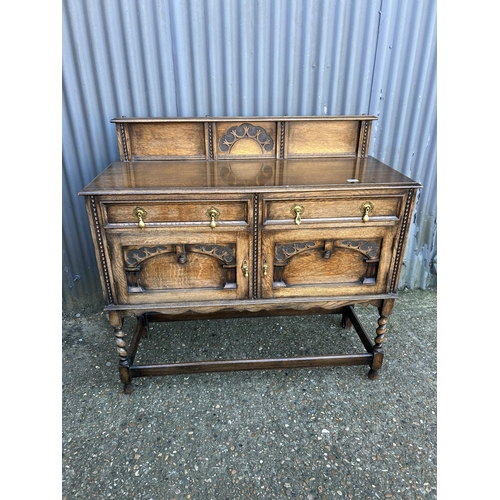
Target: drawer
(158, 213)
(315, 210)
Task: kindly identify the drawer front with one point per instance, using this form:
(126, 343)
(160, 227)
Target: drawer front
(313, 210)
(158, 213)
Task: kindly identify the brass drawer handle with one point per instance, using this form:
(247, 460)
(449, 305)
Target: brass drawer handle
(140, 214)
(366, 208)
(297, 211)
(265, 267)
(213, 213)
(244, 268)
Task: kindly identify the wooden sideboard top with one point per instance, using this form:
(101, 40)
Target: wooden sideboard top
(244, 154)
(260, 175)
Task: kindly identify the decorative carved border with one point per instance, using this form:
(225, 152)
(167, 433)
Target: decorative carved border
(284, 252)
(225, 253)
(402, 237)
(282, 141)
(255, 248)
(124, 142)
(137, 255)
(262, 305)
(368, 248)
(365, 138)
(210, 141)
(100, 246)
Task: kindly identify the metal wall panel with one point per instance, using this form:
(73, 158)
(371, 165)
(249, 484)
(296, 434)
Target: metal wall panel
(247, 57)
(404, 97)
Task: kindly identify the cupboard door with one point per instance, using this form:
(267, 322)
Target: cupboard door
(332, 262)
(177, 266)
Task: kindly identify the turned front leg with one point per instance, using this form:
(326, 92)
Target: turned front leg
(378, 350)
(116, 321)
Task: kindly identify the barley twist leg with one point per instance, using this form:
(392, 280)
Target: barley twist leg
(121, 347)
(378, 350)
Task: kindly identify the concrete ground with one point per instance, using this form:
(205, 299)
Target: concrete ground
(324, 433)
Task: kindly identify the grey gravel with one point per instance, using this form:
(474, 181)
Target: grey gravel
(325, 433)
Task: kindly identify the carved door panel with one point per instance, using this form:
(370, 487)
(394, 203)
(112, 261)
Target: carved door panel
(177, 266)
(332, 262)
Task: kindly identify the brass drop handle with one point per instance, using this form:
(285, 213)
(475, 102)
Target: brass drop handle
(265, 267)
(244, 268)
(297, 211)
(366, 208)
(213, 213)
(140, 214)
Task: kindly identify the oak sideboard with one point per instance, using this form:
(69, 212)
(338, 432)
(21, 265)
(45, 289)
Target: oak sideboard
(247, 216)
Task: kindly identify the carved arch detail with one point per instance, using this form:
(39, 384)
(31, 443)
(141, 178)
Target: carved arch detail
(367, 248)
(225, 253)
(135, 256)
(284, 252)
(370, 249)
(246, 131)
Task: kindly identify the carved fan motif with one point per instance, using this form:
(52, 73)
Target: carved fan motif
(246, 131)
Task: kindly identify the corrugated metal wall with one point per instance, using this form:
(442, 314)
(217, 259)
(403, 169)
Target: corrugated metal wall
(247, 57)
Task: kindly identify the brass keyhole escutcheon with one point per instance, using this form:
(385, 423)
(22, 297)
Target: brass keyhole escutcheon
(265, 267)
(366, 208)
(244, 268)
(297, 211)
(213, 213)
(140, 214)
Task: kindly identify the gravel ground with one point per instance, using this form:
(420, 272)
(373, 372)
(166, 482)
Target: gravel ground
(324, 433)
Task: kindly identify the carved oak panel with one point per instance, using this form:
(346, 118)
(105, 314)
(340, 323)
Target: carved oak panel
(209, 267)
(246, 139)
(179, 266)
(332, 264)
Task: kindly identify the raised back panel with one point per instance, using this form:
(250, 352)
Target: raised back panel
(167, 140)
(222, 138)
(322, 138)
